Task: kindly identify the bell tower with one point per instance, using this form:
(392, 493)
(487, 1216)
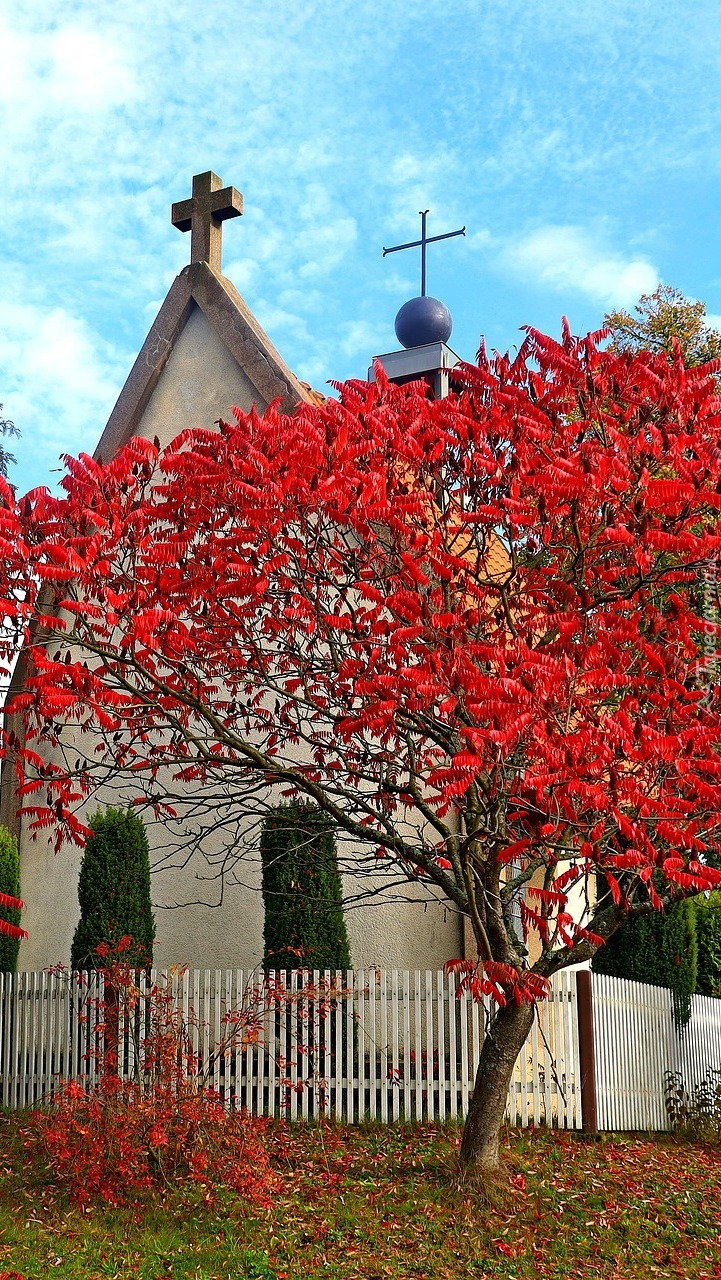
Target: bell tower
(423, 327)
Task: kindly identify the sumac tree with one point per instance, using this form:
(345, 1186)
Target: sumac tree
(472, 631)
(7, 428)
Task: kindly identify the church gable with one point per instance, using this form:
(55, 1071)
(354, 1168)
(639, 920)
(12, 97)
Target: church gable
(199, 383)
(205, 335)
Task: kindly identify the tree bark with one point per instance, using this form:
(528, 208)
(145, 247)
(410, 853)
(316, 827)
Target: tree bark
(501, 1047)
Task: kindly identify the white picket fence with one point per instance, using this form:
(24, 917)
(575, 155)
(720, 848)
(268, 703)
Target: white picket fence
(636, 1043)
(381, 1045)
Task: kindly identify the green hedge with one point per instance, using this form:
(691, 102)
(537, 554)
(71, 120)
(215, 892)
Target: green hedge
(114, 890)
(304, 924)
(708, 938)
(661, 949)
(9, 883)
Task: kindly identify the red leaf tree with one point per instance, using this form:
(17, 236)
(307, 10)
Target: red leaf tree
(479, 632)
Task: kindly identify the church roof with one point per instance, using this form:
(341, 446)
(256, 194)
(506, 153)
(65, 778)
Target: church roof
(315, 397)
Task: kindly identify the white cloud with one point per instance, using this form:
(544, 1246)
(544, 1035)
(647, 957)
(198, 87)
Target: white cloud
(326, 246)
(73, 66)
(305, 299)
(244, 272)
(276, 320)
(59, 380)
(89, 71)
(570, 257)
(480, 239)
(431, 180)
(315, 370)
(363, 339)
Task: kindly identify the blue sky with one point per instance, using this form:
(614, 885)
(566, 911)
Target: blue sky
(578, 140)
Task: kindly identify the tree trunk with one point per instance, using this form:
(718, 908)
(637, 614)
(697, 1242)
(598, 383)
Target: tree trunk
(501, 1047)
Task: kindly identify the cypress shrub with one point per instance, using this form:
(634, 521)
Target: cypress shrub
(114, 891)
(9, 883)
(304, 925)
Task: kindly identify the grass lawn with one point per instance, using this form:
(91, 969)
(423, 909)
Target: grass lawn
(366, 1204)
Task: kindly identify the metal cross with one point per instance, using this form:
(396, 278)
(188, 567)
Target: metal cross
(203, 215)
(421, 244)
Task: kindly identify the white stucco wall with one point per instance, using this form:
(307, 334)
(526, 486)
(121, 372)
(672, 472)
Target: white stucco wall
(207, 921)
(48, 884)
(199, 384)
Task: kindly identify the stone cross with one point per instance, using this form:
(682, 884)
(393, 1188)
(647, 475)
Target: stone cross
(421, 244)
(203, 215)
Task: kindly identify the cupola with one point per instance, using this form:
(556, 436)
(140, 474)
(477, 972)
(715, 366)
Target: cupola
(423, 327)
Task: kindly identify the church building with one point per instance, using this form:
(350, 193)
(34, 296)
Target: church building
(204, 354)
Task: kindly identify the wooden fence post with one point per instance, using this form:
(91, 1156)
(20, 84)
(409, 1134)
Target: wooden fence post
(586, 1051)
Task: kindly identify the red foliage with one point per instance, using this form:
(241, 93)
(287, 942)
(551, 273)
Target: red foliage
(112, 1141)
(494, 614)
(12, 930)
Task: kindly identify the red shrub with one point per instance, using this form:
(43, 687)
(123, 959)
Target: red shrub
(120, 1137)
(112, 1142)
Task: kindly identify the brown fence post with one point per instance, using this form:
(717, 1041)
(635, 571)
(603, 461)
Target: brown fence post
(584, 993)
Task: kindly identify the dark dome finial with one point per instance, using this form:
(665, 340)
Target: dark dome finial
(423, 320)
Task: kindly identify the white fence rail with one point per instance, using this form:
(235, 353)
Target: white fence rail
(382, 1045)
(636, 1043)
(386, 1045)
